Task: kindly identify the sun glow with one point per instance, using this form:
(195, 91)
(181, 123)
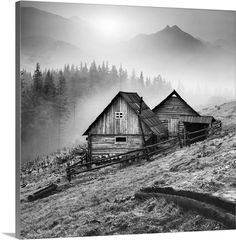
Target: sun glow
(109, 27)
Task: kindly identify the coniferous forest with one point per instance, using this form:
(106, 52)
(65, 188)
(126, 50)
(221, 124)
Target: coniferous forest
(53, 102)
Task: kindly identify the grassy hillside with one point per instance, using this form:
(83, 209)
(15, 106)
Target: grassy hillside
(102, 202)
(225, 112)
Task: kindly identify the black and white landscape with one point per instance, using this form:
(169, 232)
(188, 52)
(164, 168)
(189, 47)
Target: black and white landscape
(79, 64)
(165, 42)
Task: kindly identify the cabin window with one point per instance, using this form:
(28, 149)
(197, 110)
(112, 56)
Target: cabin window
(121, 139)
(119, 115)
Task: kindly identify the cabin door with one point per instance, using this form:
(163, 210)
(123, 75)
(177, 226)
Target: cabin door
(173, 127)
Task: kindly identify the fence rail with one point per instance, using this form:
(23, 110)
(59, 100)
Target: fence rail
(207, 132)
(146, 152)
(136, 154)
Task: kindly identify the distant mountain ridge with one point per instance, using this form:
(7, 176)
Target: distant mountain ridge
(74, 30)
(170, 40)
(54, 40)
(47, 50)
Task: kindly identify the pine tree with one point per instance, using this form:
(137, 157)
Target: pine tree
(61, 88)
(104, 68)
(38, 81)
(123, 75)
(61, 105)
(141, 80)
(93, 75)
(105, 74)
(114, 74)
(49, 87)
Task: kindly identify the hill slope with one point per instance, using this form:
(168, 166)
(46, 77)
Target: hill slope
(225, 112)
(102, 202)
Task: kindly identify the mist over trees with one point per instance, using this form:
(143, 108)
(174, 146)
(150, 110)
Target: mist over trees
(53, 101)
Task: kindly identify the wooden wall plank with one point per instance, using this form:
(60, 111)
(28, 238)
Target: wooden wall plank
(107, 124)
(174, 105)
(102, 144)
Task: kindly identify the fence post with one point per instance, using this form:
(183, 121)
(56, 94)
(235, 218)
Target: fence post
(220, 125)
(188, 143)
(180, 141)
(208, 132)
(185, 143)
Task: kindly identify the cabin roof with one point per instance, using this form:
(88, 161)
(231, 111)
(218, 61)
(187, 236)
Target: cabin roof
(168, 97)
(147, 115)
(198, 119)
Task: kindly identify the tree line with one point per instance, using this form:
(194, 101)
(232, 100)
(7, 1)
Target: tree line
(48, 97)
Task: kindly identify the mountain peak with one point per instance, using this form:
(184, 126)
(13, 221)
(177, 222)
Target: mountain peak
(171, 39)
(173, 28)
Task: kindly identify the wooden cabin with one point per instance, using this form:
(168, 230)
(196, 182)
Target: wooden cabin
(178, 116)
(127, 123)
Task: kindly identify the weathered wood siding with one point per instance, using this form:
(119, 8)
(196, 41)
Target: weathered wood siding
(170, 112)
(105, 130)
(174, 106)
(129, 124)
(105, 144)
(179, 128)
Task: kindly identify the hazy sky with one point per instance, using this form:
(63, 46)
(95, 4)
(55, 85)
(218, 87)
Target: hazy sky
(126, 22)
(119, 23)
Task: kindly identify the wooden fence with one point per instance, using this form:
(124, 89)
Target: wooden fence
(187, 138)
(128, 157)
(163, 147)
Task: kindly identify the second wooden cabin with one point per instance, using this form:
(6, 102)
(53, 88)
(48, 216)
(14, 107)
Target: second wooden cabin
(179, 117)
(127, 123)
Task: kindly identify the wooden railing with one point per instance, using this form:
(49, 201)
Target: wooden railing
(187, 139)
(133, 155)
(141, 153)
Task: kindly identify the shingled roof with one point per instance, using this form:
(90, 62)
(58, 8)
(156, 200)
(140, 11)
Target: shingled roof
(148, 117)
(198, 119)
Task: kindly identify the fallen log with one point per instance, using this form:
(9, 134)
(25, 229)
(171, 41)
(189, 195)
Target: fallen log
(208, 206)
(44, 192)
(203, 197)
